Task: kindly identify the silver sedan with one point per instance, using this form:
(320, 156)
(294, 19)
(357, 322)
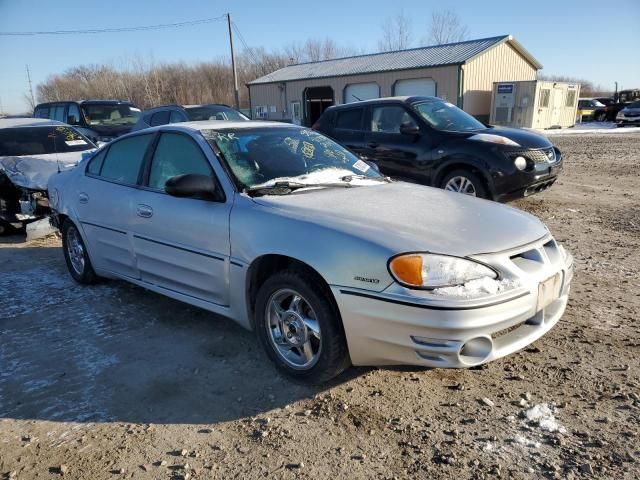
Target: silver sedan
(289, 234)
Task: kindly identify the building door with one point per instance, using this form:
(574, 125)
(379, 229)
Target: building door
(415, 86)
(357, 92)
(296, 113)
(317, 100)
(556, 106)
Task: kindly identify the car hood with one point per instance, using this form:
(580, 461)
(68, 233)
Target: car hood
(33, 171)
(524, 138)
(405, 217)
(634, 111)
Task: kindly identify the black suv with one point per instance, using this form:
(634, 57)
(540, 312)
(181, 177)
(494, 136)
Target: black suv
(430, 141)
(98, 120)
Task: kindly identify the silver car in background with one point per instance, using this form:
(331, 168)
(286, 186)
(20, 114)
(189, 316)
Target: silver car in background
(288, 233)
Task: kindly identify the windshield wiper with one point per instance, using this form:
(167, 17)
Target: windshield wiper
(348, 178)
(285, 187)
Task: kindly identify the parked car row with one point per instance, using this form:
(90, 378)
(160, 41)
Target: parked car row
(300, 234)
(603, 109)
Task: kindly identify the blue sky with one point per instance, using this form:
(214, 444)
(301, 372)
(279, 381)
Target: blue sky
(592, 39)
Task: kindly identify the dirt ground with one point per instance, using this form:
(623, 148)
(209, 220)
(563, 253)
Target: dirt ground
(113, 381)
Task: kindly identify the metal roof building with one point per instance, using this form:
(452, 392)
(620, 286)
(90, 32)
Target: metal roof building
(462, 73)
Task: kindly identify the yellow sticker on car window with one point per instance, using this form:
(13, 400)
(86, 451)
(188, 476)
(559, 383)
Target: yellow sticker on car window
(308, 149)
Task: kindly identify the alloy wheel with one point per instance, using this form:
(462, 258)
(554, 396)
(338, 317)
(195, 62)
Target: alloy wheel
(460, 184)
(75, 249)
(293, 329)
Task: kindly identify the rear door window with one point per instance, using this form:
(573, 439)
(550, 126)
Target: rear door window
(389, 118)
(42, 112)
(349, 119)
(176, 154)
(57, 113)
(73, 114)
(160, 118)
(95, 164)
(124, 158)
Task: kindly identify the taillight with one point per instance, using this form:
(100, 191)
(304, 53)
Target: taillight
(315, 126)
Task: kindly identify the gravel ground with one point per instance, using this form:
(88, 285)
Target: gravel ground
(113, 381)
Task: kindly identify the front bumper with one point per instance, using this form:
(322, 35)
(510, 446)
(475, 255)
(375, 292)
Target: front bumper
(395, 328)
(628, 121)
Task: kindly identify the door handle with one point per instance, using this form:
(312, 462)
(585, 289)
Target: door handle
(83, 198)
(373, 145)
(144, 211)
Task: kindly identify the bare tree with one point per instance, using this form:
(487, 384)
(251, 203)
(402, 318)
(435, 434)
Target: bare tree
(446, 27)
(396, 33)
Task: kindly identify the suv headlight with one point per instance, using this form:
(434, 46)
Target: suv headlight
(430, 271)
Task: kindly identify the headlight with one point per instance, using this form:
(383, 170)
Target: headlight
(425, 270)
(491, 138)
(620, 114)
(520, 163)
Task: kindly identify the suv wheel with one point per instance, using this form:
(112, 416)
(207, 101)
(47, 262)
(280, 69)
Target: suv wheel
(300, 328)
(464, 181)
(75, 254)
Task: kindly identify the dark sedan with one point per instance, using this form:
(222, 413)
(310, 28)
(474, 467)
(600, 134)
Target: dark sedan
(430, 141)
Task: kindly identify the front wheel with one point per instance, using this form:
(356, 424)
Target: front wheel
(601, 117)
(300, 328)
(466, 182)
(76, 256)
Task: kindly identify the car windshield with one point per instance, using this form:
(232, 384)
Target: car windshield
(443, 115)
(21, 141)
(213, 112)
(264, 156)
(634, 105)
(596, 103)
(110, 114)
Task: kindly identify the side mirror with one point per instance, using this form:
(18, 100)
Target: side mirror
(409, 128)
(72, 120)
(202, 187)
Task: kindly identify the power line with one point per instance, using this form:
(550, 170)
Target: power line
(161, 26)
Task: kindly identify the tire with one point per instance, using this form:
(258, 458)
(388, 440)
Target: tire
(600, 117)
(327, 349)
(76, 256)
(470, 183)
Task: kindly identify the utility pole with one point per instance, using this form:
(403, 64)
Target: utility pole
(233, 65)
(33, 100)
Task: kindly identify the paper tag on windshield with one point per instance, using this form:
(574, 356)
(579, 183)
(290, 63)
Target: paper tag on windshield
(75, 143)
(361, 165)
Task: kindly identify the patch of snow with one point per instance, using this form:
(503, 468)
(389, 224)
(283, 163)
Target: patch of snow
(543, 415)
(525, 442)
(478, 288)
(326, 175)
(590, 128)
(488, 447)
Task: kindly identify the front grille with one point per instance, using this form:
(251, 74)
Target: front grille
(534, 259)
(541, 155)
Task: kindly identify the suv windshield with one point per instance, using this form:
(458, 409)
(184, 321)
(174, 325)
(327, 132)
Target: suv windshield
(213, 112)
(110, 114)
(21, 141)
(287, 154)
(443, 115)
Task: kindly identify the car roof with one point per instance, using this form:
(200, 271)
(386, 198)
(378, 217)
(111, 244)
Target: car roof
(174, 105)
(88, 102)
(403, 99)
(28, 122)
(220, 125)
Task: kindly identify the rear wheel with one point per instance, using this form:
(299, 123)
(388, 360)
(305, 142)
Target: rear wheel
(76, 256)
(600, 117)
(466, 182)
(300, 328)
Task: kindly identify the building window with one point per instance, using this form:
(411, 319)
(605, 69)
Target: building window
(571, 98)
(261, 111)
(545, 93)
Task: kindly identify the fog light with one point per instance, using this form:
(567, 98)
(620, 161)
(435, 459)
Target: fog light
(475, 351)
(520, 163)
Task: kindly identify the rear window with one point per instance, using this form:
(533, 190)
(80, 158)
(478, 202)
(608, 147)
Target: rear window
(213, 112)
(21, 141)
(349, 119)
(160, 118)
